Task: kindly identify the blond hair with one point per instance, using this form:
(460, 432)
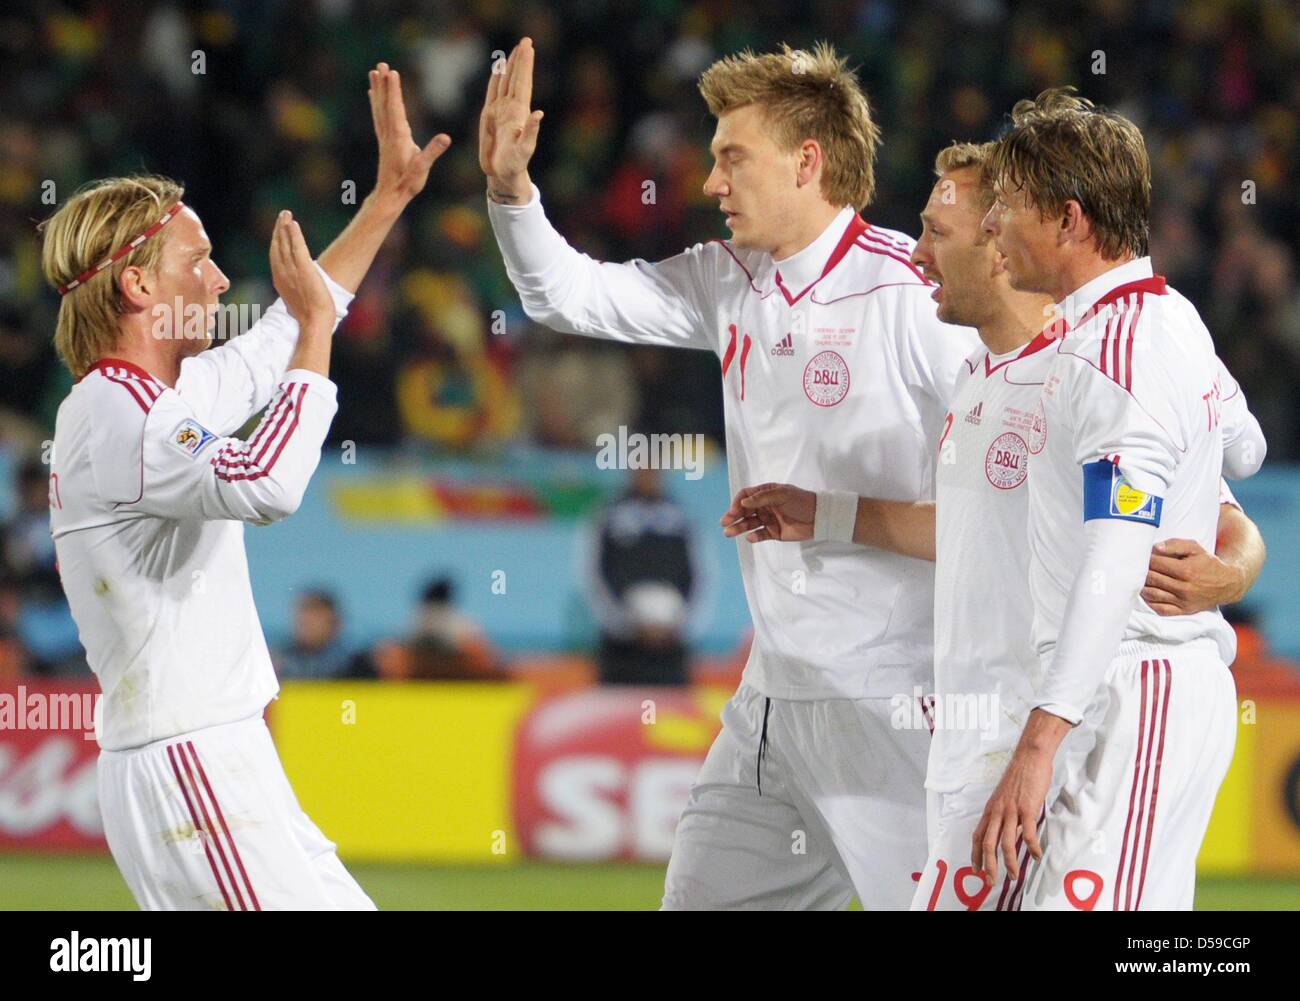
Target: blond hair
(805, 96)
(959, 156)
(1061, 148)
(96, 221)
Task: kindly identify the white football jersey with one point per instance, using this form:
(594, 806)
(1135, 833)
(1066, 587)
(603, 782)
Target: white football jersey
(1136, 397)
(985, 667)
(836, 375)
(148, 496)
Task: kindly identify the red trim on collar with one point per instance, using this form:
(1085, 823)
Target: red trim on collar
(1155, 285)
(1042, 339)
(131, 367)
(856, 226)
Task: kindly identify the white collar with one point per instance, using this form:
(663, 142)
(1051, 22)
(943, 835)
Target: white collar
(1082, 299)
(806, 266)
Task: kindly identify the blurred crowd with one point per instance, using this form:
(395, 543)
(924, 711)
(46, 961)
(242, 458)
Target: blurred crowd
(259, 105)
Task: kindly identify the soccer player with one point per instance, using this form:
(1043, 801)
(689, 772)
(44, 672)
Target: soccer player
(986, 670)
(149, 494)
(836, 373)
(1139, 709)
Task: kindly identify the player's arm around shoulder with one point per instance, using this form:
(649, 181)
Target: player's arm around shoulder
(1184, 579)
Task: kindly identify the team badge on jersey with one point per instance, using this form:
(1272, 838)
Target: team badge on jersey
(1106, 494)
(826, 378)
(191, 437)
(1006, 463)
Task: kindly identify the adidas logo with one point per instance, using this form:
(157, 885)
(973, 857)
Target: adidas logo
(784, 347)
(976, 413)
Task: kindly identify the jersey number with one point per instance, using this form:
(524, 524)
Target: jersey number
(730, 354)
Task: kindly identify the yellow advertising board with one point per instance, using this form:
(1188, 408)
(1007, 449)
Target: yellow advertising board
(393, 771)
(488, 773)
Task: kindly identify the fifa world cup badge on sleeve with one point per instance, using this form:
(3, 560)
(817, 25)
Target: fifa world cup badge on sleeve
(191, 437)
(1106, 494)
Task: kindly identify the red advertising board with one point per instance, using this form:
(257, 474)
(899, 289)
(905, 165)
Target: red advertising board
(48, 752)
(604, 773)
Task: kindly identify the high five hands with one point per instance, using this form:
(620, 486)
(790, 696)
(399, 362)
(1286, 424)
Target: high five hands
(508, 127)
(403, 165)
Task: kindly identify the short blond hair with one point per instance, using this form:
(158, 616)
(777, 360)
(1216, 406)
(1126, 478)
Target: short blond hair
(805, 95)
(96, 221)
(959, 156)
(1062, 147)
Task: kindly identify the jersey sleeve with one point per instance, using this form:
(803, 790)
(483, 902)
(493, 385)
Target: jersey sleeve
(1117, 552)
(1244, 446)
(230, 382)
(1142, 439)
(1226, 496)
(932, 354)
(665, 303)
(174, 466)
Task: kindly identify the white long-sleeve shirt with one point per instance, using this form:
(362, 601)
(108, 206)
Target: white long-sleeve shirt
(987, 672)
(148, 496)
(836, 375)
(1141, 417)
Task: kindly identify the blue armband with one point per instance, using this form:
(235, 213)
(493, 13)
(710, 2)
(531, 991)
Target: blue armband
(1106, 494)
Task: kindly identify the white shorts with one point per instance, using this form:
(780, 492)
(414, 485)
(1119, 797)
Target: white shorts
(841, 811)
(1139, 779)
(207, 821)
(949, 882)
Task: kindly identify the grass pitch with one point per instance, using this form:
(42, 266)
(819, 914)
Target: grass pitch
(84, 882)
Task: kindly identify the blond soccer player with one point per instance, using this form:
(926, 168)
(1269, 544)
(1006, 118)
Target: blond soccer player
(836, 373)
(149, 494)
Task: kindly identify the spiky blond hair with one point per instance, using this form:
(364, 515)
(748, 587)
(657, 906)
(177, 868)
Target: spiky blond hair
(805, 95)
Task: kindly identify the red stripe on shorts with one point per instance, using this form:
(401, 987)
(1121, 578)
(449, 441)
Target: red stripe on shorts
(234, 850)
(198, 827)
(1155, 785)
(1132, 796)
(207, 823)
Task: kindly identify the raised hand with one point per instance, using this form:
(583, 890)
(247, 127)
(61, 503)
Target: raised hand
(508, 127)
(403, 165)
(771, 512)
(295, 277)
